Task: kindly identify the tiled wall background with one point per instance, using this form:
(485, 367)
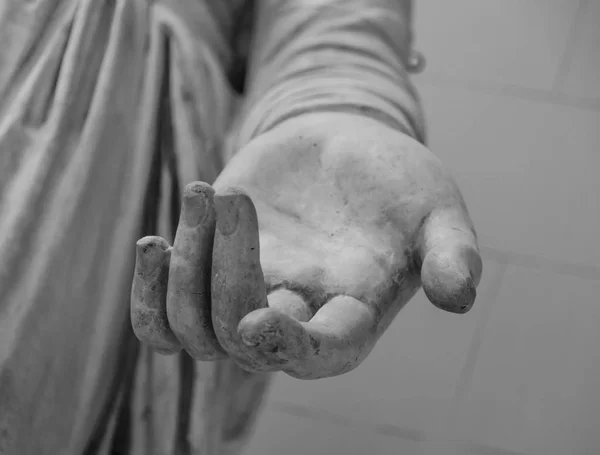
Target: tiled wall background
(512, 94)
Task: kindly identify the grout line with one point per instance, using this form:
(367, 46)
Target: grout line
(567, 59)
(330, 417)
(310, 413)
(482, 449)
(399, 432)
(583, 271)
(513, 91)
(467, 371)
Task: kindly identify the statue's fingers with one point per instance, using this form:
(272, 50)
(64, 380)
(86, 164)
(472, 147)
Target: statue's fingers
(336, 340)
(451, 264)
(148, 296)
(188, 296)
(238, 285)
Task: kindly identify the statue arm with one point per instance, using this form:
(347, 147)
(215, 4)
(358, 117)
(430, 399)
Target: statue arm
(332, 55)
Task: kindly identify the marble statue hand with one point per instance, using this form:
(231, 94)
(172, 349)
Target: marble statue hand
(324, 228)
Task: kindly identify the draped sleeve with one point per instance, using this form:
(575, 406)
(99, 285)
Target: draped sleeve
(351, 56)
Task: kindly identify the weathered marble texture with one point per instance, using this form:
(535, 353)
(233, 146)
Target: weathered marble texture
(107, 108)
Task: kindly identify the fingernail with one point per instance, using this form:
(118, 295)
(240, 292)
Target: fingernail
(467, 297)
(456, 298)
(228, 208)
(473, 259)
(195, 202)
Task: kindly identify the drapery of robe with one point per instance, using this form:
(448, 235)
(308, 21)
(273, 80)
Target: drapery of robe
(107, 107)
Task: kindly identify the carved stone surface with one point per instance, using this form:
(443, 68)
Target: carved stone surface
(105, 107)
(302, 218)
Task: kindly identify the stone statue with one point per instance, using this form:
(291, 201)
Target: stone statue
(277, 145)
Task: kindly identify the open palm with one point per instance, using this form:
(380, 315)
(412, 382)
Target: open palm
(320, 231)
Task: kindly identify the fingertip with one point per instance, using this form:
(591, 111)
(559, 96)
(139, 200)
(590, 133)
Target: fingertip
(271, 331)
(237, 220)
(196, 202)
(195, 188)
(148, 296)
(150, 252)
(151, 243)
(228, 206)
(450, 278)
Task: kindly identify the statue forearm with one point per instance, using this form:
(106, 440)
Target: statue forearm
(332, 55)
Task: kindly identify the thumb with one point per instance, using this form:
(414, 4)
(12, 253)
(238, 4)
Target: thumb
(451, 265)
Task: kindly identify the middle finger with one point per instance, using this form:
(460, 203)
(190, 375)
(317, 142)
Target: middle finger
(238, 286)
(188, 296)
